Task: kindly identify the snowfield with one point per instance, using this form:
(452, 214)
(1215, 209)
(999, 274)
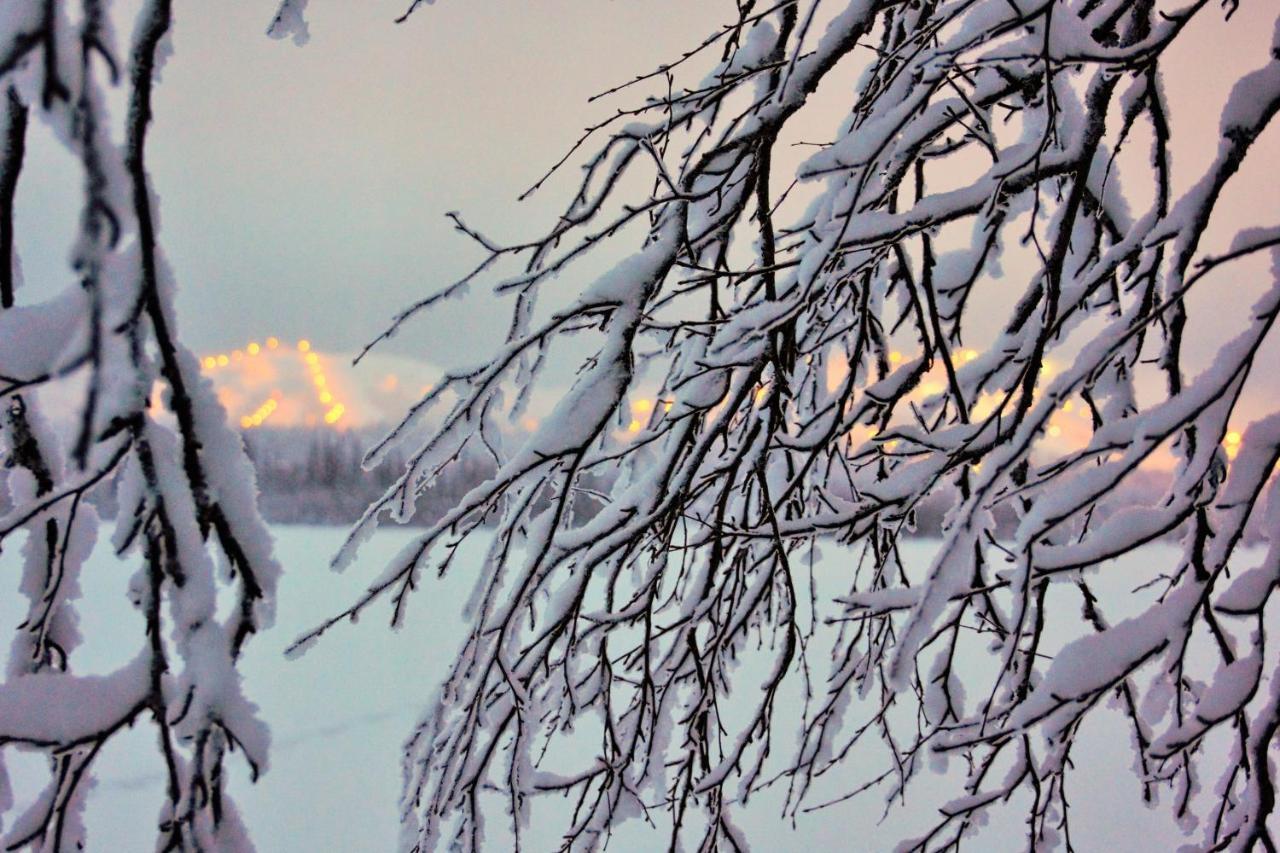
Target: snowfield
(340, 713)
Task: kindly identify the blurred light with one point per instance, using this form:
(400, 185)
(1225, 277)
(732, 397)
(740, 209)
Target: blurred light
(634, 426)
(642, 406)
(666, 407)
(1055, 431)
(895, 357)
(332, 411)
(1233, 438)
(969, 355)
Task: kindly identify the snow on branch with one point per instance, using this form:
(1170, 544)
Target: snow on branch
(799, 357)
(149, 428)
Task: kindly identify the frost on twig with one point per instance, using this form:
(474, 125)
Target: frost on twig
(800, 358)
(149, 427)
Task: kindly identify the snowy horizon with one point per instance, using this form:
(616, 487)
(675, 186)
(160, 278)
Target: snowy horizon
(579, 426)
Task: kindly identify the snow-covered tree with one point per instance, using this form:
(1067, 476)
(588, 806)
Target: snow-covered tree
(147, 427)
(793, 360)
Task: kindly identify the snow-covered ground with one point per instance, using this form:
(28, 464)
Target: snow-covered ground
(339, 714)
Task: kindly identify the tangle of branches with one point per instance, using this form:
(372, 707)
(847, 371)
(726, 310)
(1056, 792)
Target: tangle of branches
(149, 428)
(785, 363)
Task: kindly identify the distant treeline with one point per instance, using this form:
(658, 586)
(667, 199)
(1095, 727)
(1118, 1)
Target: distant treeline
(314, 476)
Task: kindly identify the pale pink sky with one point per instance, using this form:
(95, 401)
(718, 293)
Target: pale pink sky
(303, 188)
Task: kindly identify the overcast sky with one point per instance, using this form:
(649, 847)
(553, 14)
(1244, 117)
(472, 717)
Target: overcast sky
(303, 188)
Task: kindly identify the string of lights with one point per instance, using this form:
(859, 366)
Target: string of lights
(312, 362)
(641, 409)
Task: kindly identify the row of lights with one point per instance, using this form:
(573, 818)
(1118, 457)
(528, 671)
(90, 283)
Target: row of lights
(253, 348)
(259, 415)
(334, 410)
(1231, 441)
(640, 408)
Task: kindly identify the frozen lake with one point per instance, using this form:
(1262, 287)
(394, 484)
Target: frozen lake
(339, 714)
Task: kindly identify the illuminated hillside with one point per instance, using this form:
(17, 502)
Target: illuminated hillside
(282, 383)
(279, 383)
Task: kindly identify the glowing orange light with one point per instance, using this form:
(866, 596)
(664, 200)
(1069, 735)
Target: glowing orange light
(895, 357)
(332, 416)
(253, 348)
(272, 343)
(223, 361)
(1233, 438)
(313, 359)
(246, 422)
(969, 355)
(304, 345)
(891, 445)
(634, 426)
(985, 406)
(642, 406)
(210, 363)
(326, 398)
(1055, 431)
(666, 407)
